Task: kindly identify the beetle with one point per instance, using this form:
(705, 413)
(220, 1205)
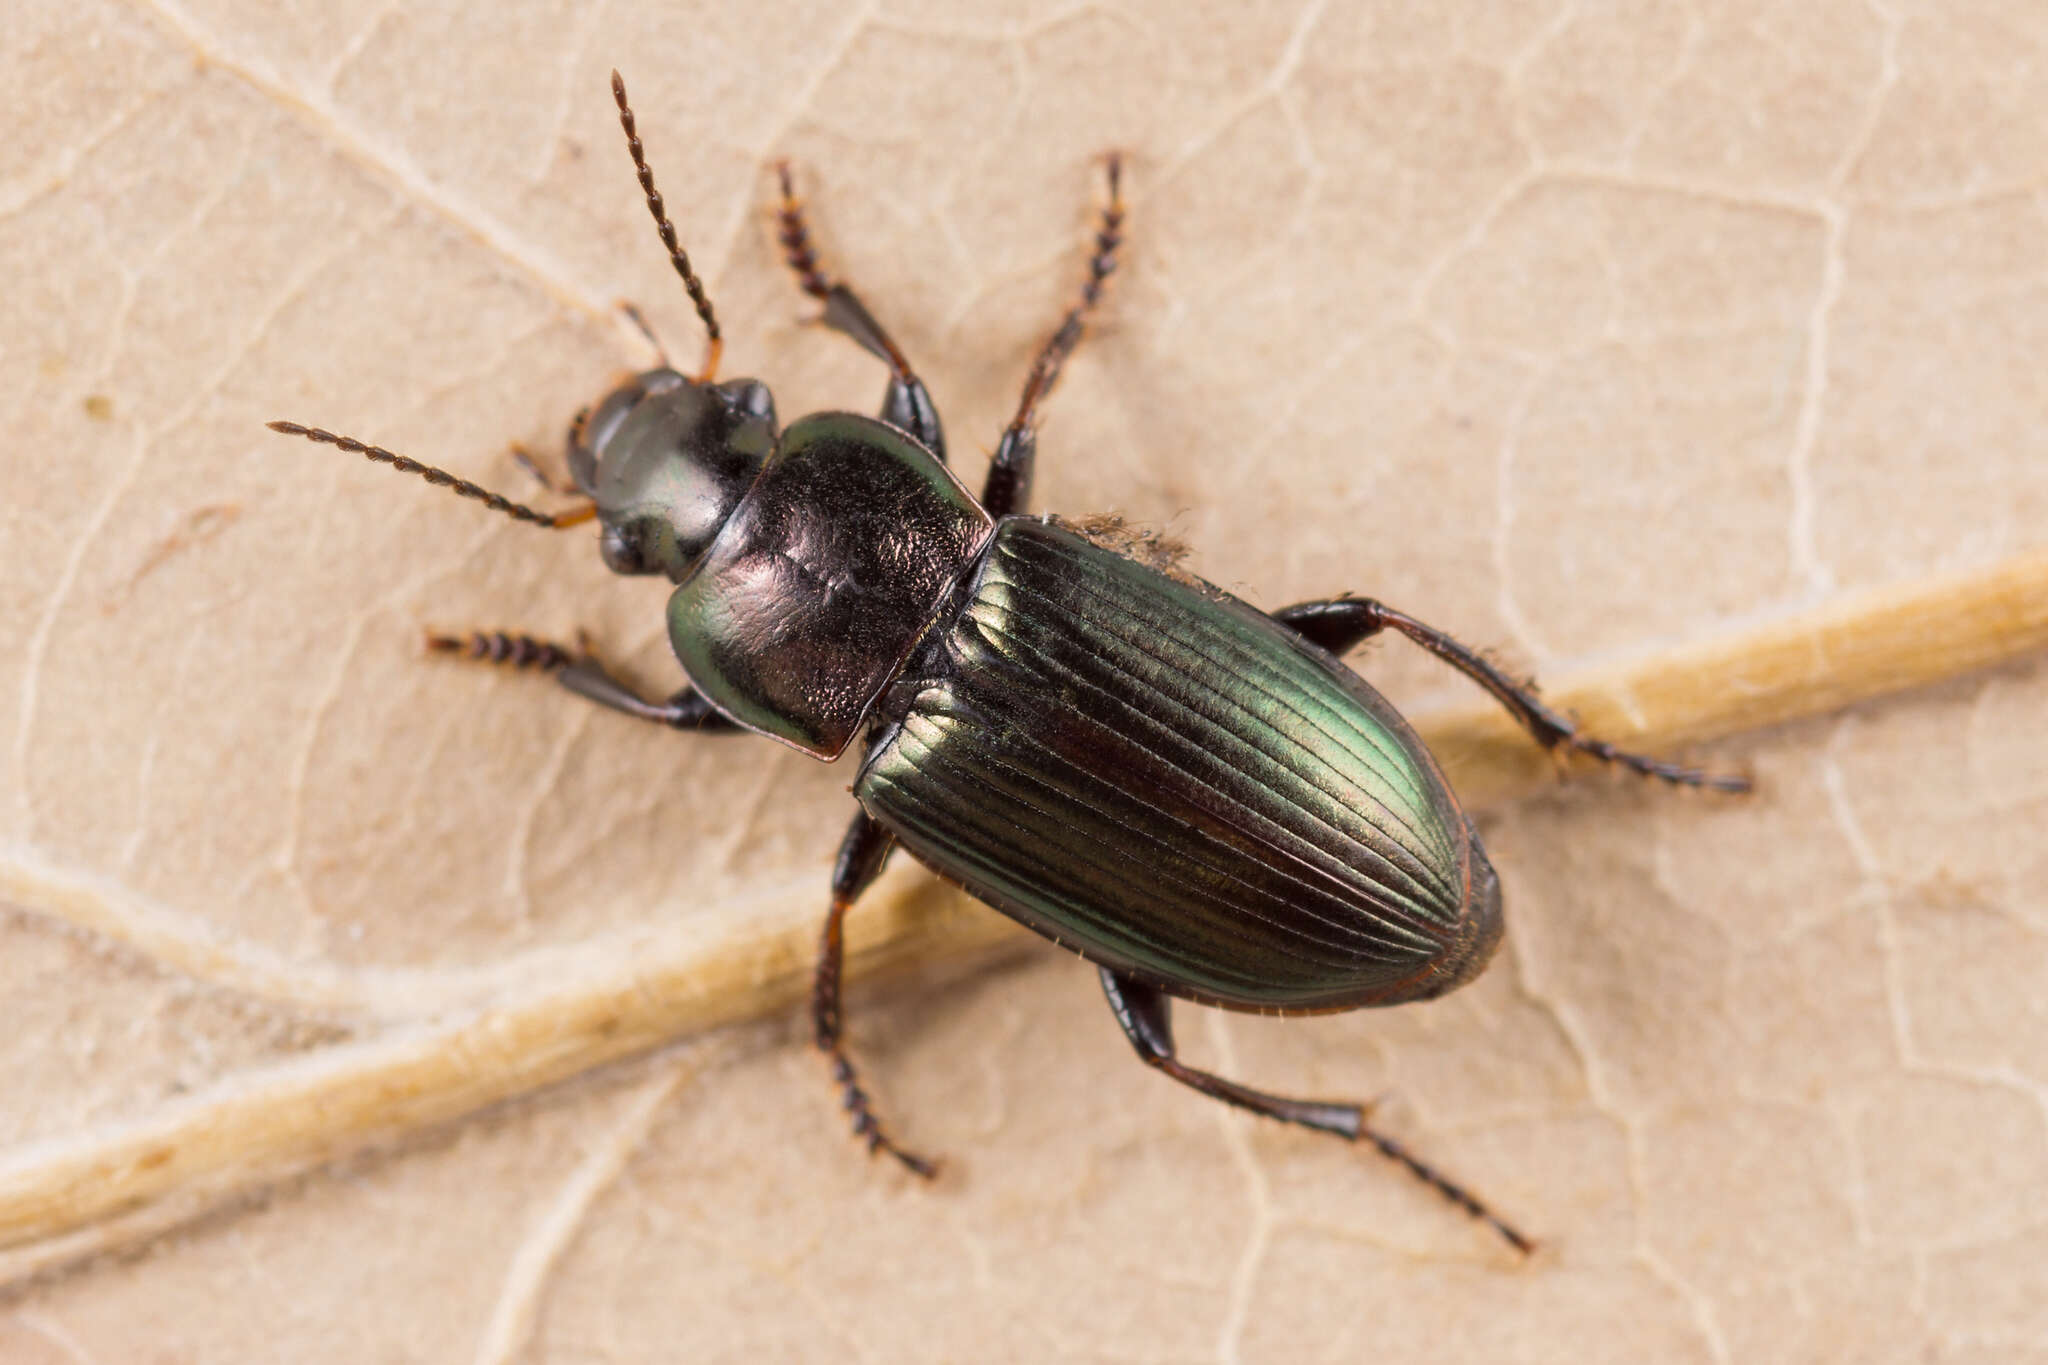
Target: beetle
(1194, 795)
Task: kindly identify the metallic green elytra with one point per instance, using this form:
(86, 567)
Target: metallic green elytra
(1174, 785)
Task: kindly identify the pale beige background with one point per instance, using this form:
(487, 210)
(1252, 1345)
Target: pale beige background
(1584, 330)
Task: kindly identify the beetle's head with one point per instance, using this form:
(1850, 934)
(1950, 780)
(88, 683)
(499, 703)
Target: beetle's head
(666, 459)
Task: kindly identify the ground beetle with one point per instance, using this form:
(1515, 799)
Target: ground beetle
(1192, 794)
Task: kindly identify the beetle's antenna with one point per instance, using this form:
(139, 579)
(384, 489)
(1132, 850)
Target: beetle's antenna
(676, 255)
(497, 502)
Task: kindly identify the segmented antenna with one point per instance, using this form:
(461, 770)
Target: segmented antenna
(667, 229)
(497, 502)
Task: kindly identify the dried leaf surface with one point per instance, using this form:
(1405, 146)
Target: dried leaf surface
(1582, 332)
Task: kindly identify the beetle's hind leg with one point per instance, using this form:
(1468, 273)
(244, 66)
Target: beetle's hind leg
(905, 403)
(1008, 486)
(579, 671)
(1146, 1014)
(1339, 623)
(861, 855)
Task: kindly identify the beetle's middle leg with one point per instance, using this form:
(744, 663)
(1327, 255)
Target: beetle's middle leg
(1339, 623)
(580, 672)
(861, 855)
(1008, 486)
(905, 403)
(1146, 1014)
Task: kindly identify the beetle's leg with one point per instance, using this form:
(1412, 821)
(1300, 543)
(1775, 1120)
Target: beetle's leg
(630, 311)
(1008, 486)
(526, 460)
(1145, 1012)
(1340, 623)
(905, 403)
(530, 463)
(1007, 489)
(582, 674)
(861, 855)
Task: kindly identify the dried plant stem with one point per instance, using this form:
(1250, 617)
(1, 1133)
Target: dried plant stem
(1804, 665)
(82, 1194)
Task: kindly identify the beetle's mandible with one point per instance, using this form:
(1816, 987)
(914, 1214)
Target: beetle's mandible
(1194, 795)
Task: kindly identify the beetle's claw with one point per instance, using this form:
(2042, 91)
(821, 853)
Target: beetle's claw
(878, 1141)
(923, 1167)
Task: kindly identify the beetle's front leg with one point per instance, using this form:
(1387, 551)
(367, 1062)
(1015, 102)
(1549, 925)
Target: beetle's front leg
(1146, 1014)
(1337, 624)
(861, 855)
(1007, 489)
(905, 403)
(581, 673)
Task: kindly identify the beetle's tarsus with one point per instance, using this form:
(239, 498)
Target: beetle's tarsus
(795, 236)
(854, 1101)
(1559, 734)
(1448, 1188)
(1053, 356)
(1674, 774)
(867, 1127)
(514, 649)
(923, 1167)
(1007, 487)
(861, 855)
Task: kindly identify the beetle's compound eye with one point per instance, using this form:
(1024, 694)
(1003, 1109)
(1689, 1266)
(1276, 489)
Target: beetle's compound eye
(749, 398)
(621, 547)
